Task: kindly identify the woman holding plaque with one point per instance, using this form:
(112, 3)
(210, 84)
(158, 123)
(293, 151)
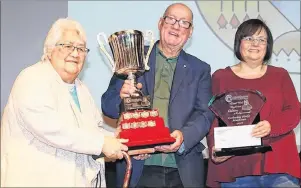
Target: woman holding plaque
(278, 117)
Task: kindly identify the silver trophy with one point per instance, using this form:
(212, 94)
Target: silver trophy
(129, 60)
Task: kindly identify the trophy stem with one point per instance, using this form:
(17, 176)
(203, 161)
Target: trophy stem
(132, 78)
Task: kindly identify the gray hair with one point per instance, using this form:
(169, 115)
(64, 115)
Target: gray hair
(56, 31)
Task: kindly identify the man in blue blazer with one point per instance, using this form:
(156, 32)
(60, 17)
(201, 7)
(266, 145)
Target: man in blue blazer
(180, 87)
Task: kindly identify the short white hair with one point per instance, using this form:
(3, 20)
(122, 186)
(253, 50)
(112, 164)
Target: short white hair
(56, 31)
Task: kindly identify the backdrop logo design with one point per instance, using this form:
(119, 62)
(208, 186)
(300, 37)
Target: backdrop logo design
(223, 18)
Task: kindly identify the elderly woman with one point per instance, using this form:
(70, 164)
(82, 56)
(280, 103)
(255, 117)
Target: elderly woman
(279, 116)
(51, 126)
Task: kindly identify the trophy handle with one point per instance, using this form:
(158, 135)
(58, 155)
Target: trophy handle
(149, 34)
(103, 49)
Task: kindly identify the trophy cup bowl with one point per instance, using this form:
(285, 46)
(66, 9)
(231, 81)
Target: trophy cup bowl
(127, 47)
(128, 52)
(138, 122)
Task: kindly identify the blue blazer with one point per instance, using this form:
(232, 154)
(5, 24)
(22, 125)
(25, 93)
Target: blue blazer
(188, 112)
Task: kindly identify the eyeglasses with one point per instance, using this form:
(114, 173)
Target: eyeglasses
(251, 40)
(172, 21)
(69, 48)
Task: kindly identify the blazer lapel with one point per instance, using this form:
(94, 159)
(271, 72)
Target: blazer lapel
(182, 68)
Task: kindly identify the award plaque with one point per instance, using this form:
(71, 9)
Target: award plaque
(237, 112)
(138, 121)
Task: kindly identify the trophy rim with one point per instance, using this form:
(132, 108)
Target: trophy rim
(128, 31)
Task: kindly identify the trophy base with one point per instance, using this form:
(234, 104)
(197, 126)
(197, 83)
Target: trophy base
(147, 137)
(243, 151)
(149, 143)
(144, 129)
(148, 149)
(147, 146)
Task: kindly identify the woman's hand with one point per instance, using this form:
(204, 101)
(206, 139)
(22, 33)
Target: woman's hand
(218, 159)
(261, 129)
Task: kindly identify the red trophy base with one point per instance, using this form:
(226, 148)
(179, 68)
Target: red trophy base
(144, 129)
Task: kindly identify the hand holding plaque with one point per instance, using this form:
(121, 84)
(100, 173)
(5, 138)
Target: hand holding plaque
(138, 122)
(237, 112)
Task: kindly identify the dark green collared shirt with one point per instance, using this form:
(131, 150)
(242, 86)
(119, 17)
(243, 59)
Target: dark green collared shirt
(165, 68)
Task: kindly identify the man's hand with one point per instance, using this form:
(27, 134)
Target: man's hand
(128, 88)
(173, 147)
(142, 156)
(261, 129)
(113, 147)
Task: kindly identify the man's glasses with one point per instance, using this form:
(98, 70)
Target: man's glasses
(172, 21)
(69, 48)
(252, 40)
